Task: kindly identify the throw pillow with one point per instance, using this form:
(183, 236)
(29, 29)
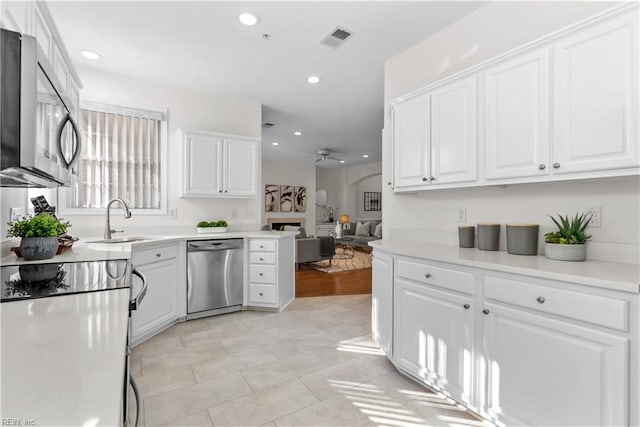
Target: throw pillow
(378, 232)
(349, 229)
(362, 229)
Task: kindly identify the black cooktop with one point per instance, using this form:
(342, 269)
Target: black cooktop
(28, 281)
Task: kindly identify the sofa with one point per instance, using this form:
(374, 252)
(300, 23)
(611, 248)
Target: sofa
(360, 240)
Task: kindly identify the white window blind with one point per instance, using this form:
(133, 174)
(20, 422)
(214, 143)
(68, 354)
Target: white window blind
(121, 157)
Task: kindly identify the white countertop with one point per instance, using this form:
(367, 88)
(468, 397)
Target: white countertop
(82, 250)
(609, 275)
(63, 358)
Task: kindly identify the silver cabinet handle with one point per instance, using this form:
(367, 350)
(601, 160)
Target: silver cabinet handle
(388, 183)
(428, 275)
(261, 247)
(466, 306)
(485, 311)
(541, 300)
(261, 259)
(261, 274)
(542, 166)
(425, 179)
(556, 165)
(260, 293)
(432, 179)
(158, 255)
(135, 302)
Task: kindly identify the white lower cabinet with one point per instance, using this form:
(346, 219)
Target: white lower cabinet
(518, 350)
(271, 273)
(433, 337)
(543, 372)
(159, 308)
(382, 302)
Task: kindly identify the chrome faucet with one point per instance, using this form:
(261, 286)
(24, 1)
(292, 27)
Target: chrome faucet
(107, 226)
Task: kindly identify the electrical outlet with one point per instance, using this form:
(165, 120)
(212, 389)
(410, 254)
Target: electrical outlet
(173, 213)
(462, 214)
(250, 213)
(596, 217)
(234, 213)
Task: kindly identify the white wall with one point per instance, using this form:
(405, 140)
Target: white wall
(372, 183)
(334, 181)
(286, 172)
(495, 28)
(11, 198)
(186, 109)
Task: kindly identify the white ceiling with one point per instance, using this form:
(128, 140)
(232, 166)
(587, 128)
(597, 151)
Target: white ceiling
(202, 46)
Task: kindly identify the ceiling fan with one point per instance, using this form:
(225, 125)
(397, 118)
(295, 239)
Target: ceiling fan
(325, 154)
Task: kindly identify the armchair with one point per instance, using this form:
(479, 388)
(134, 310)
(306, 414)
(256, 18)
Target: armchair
(313, 249)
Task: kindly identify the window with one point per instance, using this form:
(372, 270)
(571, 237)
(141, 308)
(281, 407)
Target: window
(123, 156)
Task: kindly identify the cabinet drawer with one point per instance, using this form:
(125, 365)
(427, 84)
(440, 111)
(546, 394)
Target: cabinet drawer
(262, 294)
(262, 245)
(608, 312)
(445, 278)
(262, 258)
(262, 274)
(146, 256)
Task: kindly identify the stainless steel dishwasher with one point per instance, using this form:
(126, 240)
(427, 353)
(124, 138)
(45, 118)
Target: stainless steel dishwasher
(214, 277)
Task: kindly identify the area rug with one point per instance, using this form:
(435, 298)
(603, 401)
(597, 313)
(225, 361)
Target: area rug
(359, 260)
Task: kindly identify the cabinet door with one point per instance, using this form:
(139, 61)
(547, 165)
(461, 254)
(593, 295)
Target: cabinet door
(159, 307)
(14, 15)
(382, 301)
(453, 132)
(546, 372)
(596, 98)
(517, 108)
(433, 337)
(40, 30)
(240, 172)
(202, 175)
(411, 142)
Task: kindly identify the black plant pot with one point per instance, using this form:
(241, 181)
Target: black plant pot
(35, 248)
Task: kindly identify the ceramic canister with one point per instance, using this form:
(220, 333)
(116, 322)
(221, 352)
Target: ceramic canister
(488, 236)
(466, 236)
(522, 239)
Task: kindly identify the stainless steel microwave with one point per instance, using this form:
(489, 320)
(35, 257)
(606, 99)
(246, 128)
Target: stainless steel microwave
(40, 140)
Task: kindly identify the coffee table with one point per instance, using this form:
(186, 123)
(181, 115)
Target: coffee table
(347, 249)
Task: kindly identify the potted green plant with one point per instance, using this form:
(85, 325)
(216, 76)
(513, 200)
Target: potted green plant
(568, 242)
(219, 226)
(39, 235)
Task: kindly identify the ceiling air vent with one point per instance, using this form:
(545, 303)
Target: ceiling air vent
(268, 125)
(336, 37)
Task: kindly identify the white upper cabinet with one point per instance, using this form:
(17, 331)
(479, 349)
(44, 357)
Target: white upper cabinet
(411, 151)
(563, 107)
(516, 114)
(596, 98)
(14, 15)
(453, 132)
(240, 171)
(217, 165)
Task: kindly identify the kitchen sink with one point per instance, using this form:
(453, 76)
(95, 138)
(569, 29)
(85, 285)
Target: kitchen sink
(128, 239)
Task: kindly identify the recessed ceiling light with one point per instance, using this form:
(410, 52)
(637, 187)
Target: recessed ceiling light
(248, 19)
(341, 161)
(90, 55)
(313, 79)
(297, 133)
(275, 143)
(365, 155)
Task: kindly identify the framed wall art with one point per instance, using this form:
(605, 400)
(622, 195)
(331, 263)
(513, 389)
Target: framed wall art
(300, 199)
(372, 201)
(286, 198)
(271, 198)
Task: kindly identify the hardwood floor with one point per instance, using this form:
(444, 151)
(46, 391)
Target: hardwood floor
(314, 283)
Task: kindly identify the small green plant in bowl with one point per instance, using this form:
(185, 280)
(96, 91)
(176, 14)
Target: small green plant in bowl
(39, 235)
(219, 226)
(568, 242)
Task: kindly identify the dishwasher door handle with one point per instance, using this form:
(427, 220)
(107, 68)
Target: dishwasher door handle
(135, 302)
(193, 247)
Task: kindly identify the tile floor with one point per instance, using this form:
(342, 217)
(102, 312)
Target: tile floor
(312, 365)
